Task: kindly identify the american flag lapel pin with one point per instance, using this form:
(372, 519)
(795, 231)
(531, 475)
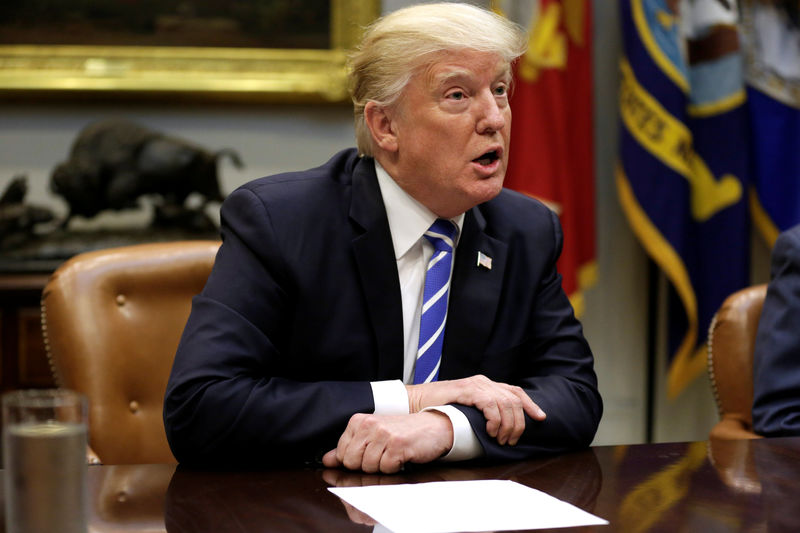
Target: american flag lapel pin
(484, 261)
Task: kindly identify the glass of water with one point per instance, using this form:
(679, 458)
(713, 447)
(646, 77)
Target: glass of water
(44, 457)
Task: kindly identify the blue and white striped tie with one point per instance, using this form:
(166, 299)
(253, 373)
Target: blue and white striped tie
(434, 301)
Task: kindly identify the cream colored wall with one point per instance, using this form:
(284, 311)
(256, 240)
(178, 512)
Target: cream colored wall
(616, 308)
(35, 137)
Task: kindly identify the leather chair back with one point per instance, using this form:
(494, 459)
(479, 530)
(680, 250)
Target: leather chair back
(112, 320)
(731, 343)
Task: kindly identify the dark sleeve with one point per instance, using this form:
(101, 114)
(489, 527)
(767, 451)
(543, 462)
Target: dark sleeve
(557, 371)
(229, 399)
(776, 362)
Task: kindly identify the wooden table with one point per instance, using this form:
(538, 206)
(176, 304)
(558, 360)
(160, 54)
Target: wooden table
(677, 487)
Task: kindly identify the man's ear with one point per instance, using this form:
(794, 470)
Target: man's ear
(381, 127)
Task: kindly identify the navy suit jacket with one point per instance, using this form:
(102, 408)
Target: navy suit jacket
(303, 309)
(776, 363)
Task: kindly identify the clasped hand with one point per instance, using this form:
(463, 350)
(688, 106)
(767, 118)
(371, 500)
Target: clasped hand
(381, 443)
(384, 443)
(504, 406)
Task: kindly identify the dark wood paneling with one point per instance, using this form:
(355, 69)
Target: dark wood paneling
(22, 351)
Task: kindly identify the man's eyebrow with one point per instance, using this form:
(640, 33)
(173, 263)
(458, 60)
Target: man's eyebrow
(444, 78)
(504, 72)
(452, 75)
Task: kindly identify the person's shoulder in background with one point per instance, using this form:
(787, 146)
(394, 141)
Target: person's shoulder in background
(776, 361)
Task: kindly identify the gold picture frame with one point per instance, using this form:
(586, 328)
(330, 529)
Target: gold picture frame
(228, 74)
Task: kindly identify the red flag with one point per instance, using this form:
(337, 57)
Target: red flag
(552, 156)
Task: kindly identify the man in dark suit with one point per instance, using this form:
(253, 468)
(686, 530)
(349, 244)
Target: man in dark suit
(776, 363)
(312, 339)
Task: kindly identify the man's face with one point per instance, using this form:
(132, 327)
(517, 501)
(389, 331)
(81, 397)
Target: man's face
(452, 128)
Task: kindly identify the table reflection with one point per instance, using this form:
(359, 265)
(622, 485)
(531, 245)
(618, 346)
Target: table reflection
(253, 502)
(575, 478)
(735, 464)
(720, 486)
(299, 500)
(126, 498)
(778, 469)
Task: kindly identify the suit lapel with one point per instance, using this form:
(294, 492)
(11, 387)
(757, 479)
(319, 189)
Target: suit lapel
(474, 295)
(377, 268)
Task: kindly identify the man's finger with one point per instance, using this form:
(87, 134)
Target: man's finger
(519, 427)
(352, 456)
(531, 408)
(390, 463)
(372, 457)
(509, 416)
(491, 413)
(330, 460)
(528, 405)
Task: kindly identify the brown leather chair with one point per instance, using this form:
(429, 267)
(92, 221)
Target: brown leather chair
(112, 320)
(731, 341)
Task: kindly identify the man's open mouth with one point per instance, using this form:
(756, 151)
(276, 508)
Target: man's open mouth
(487, 159)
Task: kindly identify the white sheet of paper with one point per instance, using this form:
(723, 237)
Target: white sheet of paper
(449, 506)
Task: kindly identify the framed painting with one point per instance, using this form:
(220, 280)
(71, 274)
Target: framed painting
(248, 50)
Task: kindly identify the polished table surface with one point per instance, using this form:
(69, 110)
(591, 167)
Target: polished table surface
(708, 487)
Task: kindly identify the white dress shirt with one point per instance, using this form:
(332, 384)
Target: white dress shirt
(408, 222)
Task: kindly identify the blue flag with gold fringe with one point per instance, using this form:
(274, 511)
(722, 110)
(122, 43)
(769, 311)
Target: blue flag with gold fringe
(683, 166)
(771, 32)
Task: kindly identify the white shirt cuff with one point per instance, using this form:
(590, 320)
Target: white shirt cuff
(390, 397)
(465, 444)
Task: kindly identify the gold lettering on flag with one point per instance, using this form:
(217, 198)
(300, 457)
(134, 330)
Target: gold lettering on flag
(547, 45)
(668, 139)
(547, 41)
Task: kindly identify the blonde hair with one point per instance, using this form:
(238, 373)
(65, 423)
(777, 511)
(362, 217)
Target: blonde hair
(401, 43)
